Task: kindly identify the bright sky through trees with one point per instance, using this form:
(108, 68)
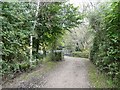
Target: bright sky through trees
(78, 2)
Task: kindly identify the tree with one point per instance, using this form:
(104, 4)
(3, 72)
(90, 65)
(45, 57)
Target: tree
(17, 20)
(53, 20)
(106, 48)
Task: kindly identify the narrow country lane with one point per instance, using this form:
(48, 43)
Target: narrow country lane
(71, 73)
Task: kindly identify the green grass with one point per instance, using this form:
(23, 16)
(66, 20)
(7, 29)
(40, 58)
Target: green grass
(97, 79)
(39, 71)
(45, 67)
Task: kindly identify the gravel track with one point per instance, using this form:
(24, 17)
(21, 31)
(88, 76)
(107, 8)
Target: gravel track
(71, 73)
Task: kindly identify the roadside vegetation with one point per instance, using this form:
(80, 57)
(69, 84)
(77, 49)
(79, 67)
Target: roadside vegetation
(35, 33)
(82, 54)
(105, 52)
(98, 79)
(45, 67)
(33, 28)
(99, 40)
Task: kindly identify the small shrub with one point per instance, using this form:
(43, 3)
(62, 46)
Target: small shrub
(56, 56)
(84, 54)
(24, 66)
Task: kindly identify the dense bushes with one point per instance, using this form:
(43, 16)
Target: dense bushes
(47, 23)
(83, 54)
(105, 53)
(56, 56)
(15, 32)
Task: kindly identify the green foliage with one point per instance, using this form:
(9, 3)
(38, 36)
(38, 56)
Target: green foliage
(57, 56)
(18, 20)
(16, 24)
(54, 20)
(105, 52)
(82, 54)
(102, 82)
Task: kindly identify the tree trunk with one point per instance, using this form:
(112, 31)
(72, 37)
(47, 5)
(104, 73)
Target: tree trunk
(44, 51)
(37, 45)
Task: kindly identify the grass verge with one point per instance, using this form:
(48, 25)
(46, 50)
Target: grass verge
(39, 71)
(98, 79)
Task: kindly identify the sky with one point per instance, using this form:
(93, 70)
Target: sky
(78, 2)
(75, 2)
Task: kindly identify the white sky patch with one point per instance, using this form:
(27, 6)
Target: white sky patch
(78, 2)
(72, 1)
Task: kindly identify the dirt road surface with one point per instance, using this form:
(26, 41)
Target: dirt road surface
(71, 73)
